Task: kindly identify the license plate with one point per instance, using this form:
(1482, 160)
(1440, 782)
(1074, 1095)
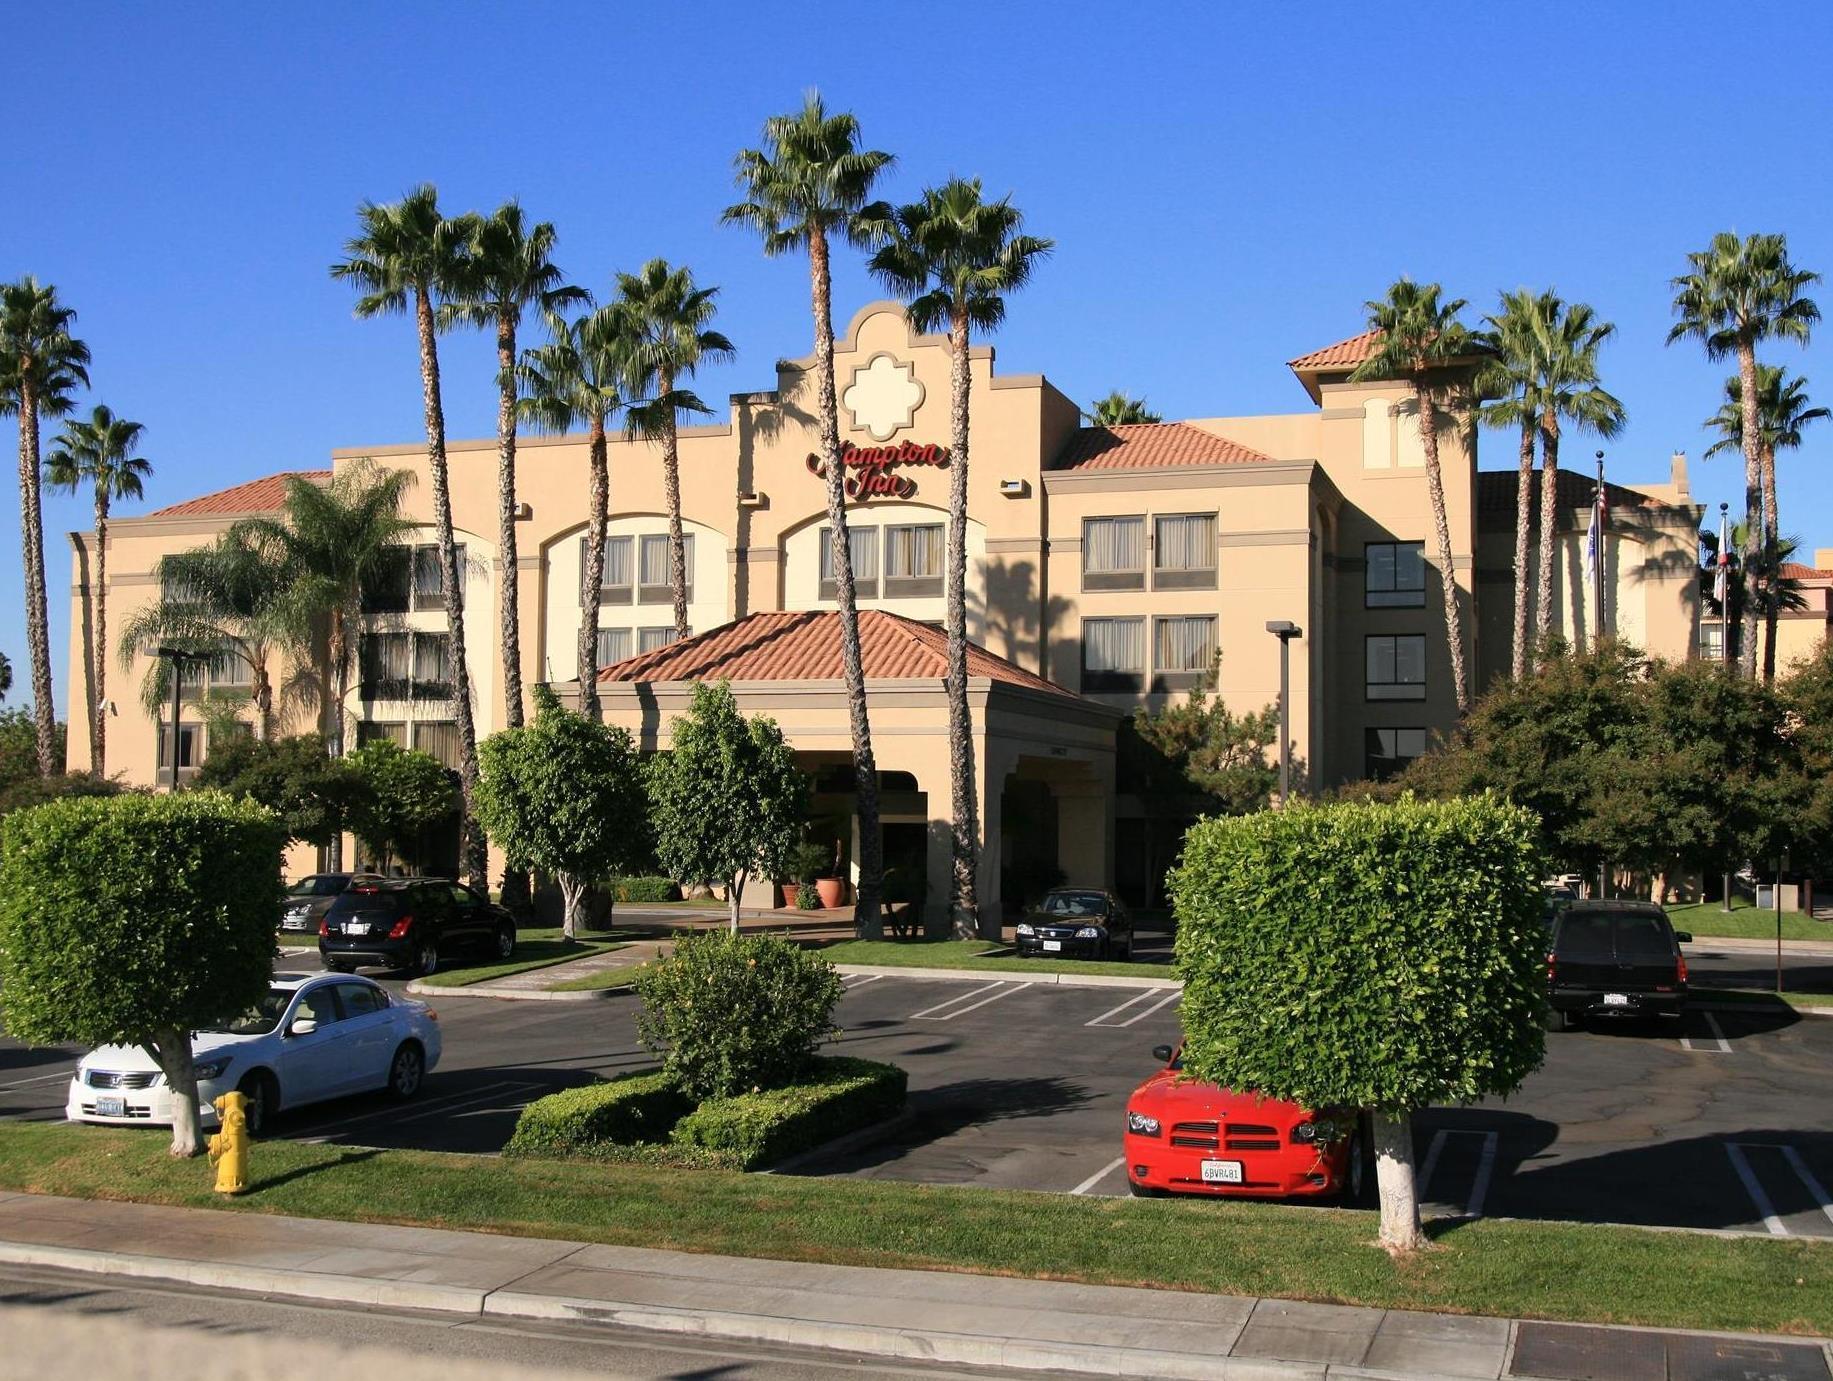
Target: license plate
(1221, 1172)
(357, 928)
(1616, 1000)
(1053, 944)
(111, 1107)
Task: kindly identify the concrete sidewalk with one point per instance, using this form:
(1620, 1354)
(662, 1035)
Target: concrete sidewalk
(916, 1315)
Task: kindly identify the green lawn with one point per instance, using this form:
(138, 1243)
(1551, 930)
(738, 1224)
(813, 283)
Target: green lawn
(1746, 922)
(1537, 1270)
(968, 954)
(538, 948)
(594, 982)
(1756, 997)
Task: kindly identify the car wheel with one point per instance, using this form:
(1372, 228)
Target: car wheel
(505, 942)
(261, 1099)
(1143, 1191)
(332, 966)
(426, 961)
(406, 1071)
(1359, 1170)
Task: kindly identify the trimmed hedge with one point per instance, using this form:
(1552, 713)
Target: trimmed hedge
(647, 889)
(646, 1119)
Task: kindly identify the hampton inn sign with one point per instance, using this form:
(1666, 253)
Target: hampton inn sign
(873, 468)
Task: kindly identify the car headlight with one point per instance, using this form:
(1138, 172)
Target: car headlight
(211, 1069)
(1141, 1125)
(1025, 928)
(1305, 1132)
(1089, 932)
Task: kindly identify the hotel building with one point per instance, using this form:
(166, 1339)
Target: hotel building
(1108, 569)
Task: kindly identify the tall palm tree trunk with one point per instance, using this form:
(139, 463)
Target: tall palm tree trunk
(965, 828)
(671, 488)
(593, 577)
(98, 661)
(261, 691)
(509, 613)
(1524, 508)
(1549, 524)
(337, 646)
(1772, 549)
(474, 856)
(1754, 564)
(31, 529)
(1435, 491)
(867, 920)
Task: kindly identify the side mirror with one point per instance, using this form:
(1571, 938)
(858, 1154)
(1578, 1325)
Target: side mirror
(302, 1026)
(1684, 937)
(1162, 1053)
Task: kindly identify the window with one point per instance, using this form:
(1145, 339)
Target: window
(318, 1005)
(1711, 642)
(374, 731)
(440, 739)
(614, 582)
(1113, 553)
(432, 665)
(654, 585)
(226, 732)
(1396, 666)
(387, 588)
(385, 662)
(1184, 552)
(1387, 751)
(190, 739)
(191, 675)
(862, 547)
(1396, 575)
(649, 639)
(913, 560)
(1113, 654)
(613, 646)
(228, 671)
(1183, 651)
(359, 999)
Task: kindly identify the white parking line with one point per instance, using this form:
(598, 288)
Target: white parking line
(1479, 1187)
(432, 1104)
(1174, 995)
(1765, 1209)
(41, 1079)
(1479, 1183)
(854, 980)
(1721, 1047)
(508, 1091)
(991, 995)
(1099, 1175)
(1102, 1020)
(1806, 1176)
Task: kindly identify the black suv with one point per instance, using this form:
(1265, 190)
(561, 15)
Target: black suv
(408, 923)
(1615, 958)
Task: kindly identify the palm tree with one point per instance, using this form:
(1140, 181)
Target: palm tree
(575, 378)
(956, 256)
(231, 599)
(1782, 411)
(1771, 591)
(1119, 409)
(509, 269)
(41, 365)
(405, 257)
(1419, 337)
(331, 543)
(100, 453)
(667, 337)
(1737, 293)
(806, 184)
(1511, 381)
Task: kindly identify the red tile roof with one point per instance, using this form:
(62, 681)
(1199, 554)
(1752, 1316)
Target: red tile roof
(804, 645)
(1496, 493)
(1794, 570)
(1140, 445)
(1345, 354)
(256, 496)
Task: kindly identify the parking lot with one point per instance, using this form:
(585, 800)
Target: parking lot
(1723, 1123)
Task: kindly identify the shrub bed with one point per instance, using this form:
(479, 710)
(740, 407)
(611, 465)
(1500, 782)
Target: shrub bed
(647, 889)
(646, 1119)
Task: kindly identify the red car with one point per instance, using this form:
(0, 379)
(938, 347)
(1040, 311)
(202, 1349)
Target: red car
(1190, 1138)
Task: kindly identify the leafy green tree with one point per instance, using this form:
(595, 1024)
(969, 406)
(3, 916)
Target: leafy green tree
(666, 324)
(1419, 339)
(1119, 409)
(41, 367)
(401, 795)
(1782, 412)
(99, 452)
(578, 377)
(1771, 590)
(808, 183)
(34, 790)
(1200, 748)
(1807, 698)
(1367, 956)
(956, 257)
(726, 799)
(310, 791)
(1736, 294)
(564, 794)
(406, 257)
(19, 746)
(137, 920)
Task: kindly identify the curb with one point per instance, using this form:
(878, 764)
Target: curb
(840, 1145)
(1049, 978)
(486, 989)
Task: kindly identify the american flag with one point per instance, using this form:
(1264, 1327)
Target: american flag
(1721, 577)
(1594, 541)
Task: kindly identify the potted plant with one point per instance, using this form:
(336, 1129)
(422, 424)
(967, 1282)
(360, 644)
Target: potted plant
(825, 872)
(805, 865)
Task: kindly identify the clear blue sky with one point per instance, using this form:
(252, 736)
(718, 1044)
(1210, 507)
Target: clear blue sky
(1226, 184)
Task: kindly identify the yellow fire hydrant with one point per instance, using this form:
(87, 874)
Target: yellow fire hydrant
(229, 1147)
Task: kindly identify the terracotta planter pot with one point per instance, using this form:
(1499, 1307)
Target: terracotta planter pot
(832, 890)
(785, 895)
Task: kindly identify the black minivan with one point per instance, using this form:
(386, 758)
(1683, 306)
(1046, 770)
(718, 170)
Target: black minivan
(1615, 958)
(408, 923)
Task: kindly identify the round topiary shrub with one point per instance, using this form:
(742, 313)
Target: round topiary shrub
(732, 1014)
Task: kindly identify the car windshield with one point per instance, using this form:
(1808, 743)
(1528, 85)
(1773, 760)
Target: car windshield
(1074, 904)
(1585, 936)
(318, 885)
(261, 1019)
(1643, 939)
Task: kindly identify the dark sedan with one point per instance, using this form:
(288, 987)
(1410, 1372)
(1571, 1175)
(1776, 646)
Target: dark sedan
(412, 924)
(1077, 923)
(307, 900)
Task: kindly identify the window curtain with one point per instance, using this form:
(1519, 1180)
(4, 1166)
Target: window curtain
(862, 546)
(613, 645)
(432, 657)
(915, 552)
(385, 657)
(440, 739)
(1113, 545)
(1186, 644)
(1187, 542)
(649, 639)
(1116, 645)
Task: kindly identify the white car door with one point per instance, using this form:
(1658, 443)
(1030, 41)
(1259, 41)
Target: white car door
(370, 1037)
(314, 1064)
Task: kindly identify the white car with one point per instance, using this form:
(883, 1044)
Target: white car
(314, 1036)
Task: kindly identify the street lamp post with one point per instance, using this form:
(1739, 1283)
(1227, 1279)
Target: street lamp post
(1285, 630)
(178, 660)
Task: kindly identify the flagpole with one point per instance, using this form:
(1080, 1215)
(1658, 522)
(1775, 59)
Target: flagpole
(1598, 510)
(1722, 588)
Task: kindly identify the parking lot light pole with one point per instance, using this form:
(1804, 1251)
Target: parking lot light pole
(1285, 630)
(178, 660)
